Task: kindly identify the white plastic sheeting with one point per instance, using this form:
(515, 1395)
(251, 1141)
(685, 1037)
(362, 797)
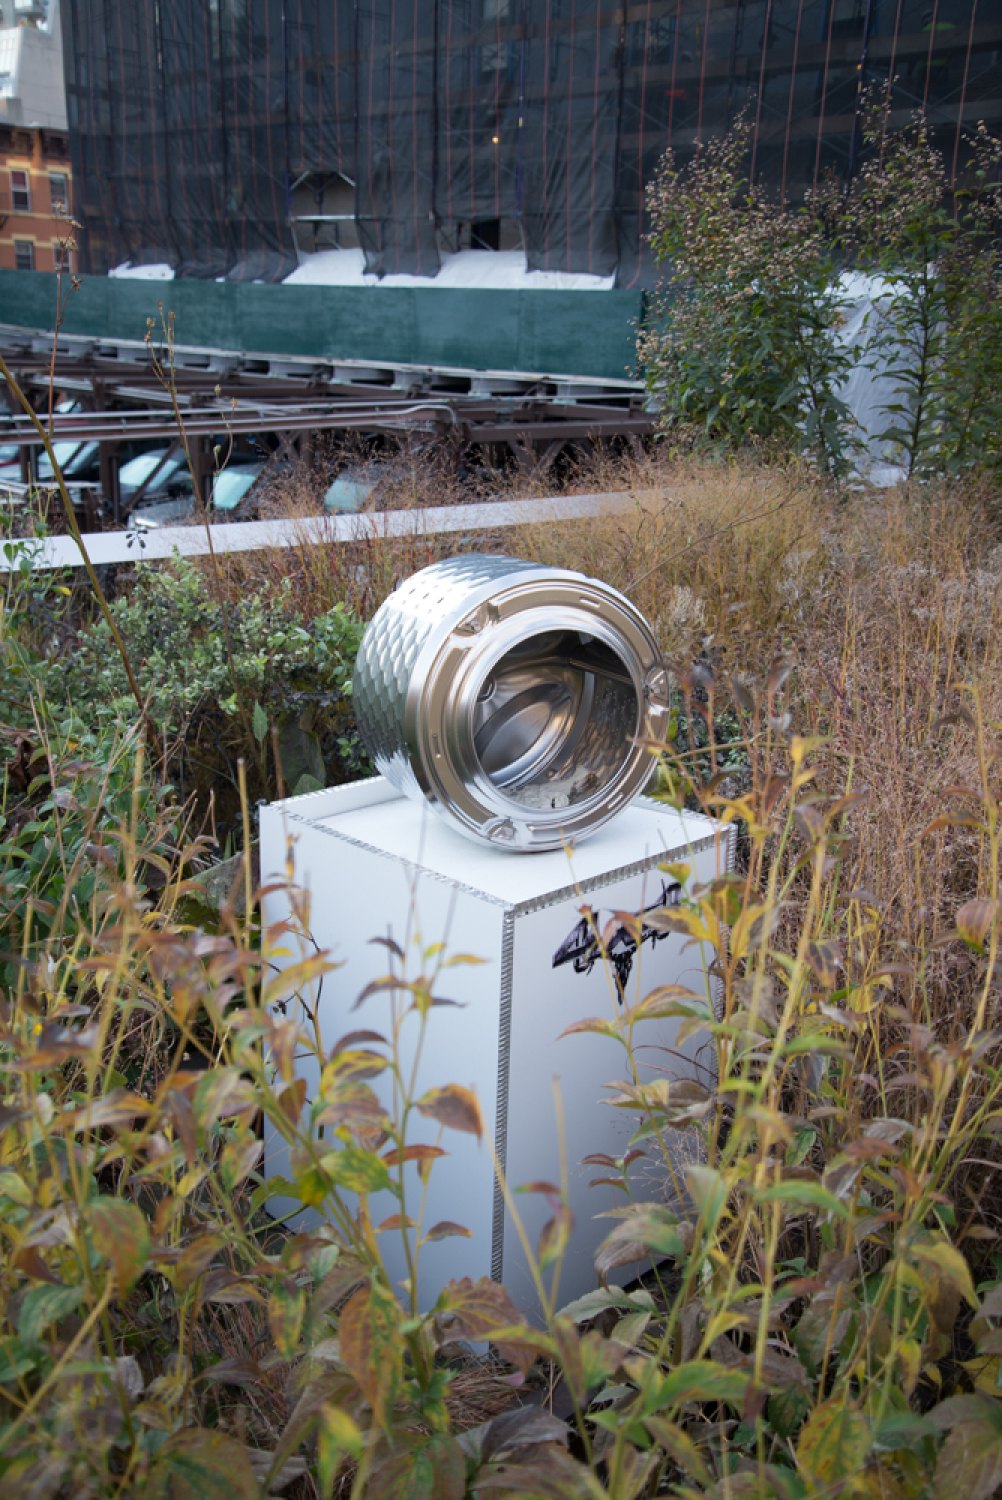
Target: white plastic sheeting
(488, 270)
(869, 390)
(159, 272)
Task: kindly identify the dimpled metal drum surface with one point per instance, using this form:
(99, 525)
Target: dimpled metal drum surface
(512, 696)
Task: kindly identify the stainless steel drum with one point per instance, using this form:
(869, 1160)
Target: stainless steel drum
(512, 696)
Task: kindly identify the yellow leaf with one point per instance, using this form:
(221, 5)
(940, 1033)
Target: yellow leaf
(947, 1259)
(909, 1357)
(190, 1181)
(974, 922)
(986, 1373)
(833, 1442)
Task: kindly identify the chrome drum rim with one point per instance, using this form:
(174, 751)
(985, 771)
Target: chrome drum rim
(527, 710)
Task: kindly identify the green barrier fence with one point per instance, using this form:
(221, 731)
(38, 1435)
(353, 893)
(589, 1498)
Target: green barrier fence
(583, 334)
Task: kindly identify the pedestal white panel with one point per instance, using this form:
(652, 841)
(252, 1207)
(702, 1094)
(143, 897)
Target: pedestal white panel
(377, 865)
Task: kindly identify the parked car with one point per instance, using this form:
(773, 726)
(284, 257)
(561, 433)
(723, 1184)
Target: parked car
(10, 464)
(171, 480)
(354, 486)
(230, 488)
(76, 461)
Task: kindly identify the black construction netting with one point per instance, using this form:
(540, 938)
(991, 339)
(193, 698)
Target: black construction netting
(480, 122)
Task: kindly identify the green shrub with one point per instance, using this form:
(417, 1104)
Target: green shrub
(741, 346)
(938, 337)
(246, 678)
(66, 790)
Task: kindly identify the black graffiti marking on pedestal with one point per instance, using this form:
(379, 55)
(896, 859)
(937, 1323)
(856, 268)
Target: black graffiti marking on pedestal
(585, 946)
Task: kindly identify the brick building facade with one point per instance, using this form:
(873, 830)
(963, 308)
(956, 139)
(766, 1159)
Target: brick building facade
(36, 199)
(36, 178)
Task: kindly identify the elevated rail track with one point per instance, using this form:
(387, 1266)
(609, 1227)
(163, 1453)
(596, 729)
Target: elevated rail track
(129, 397)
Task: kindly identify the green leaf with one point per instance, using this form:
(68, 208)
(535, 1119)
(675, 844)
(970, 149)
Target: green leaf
(803, 1141)
(15, 1360)
(371, 1345)
(122, 1237)
(679, 1447)
(698, 1380)
(805, 1194)
(947, 1259)
(903, 1430)
(307, 783)
(593, 1303)
(286, 1309)
(338, 1440)
(15, 1188)
(259, 722)
(645, 1228)
(201, 1463)
(709, 1191)
(357, 1170)
(787, 1410)
(43, 1306)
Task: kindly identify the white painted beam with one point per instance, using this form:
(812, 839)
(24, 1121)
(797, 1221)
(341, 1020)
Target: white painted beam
(106, 547)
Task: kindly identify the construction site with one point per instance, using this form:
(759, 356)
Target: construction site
(390, 223)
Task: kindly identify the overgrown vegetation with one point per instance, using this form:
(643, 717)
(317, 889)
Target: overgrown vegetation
(825, 1318)
(245, 676)
(825, 1313)
(744, 346)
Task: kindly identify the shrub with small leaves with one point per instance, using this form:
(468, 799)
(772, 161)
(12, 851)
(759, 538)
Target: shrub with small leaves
(741, 347)
(937, 245)
(244, 678)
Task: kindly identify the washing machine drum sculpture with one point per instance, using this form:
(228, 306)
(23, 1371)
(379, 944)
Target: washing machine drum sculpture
(514, 697)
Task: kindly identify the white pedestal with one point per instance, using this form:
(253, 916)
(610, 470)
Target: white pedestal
(377, 865)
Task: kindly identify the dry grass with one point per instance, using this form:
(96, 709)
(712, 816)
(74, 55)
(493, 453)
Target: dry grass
(707, 552)
(888, 605)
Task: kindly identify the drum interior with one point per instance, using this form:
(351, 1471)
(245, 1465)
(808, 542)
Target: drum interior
(555, 719)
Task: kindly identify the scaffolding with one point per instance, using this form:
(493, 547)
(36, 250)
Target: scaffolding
(196, 124)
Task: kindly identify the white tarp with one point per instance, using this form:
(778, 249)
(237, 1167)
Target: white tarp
(159, 272)
(488, 270)
(869, 390)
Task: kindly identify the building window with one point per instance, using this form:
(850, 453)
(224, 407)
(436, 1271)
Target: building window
(24, 255)
(60, 255)
(20, 191)
(59, 189)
